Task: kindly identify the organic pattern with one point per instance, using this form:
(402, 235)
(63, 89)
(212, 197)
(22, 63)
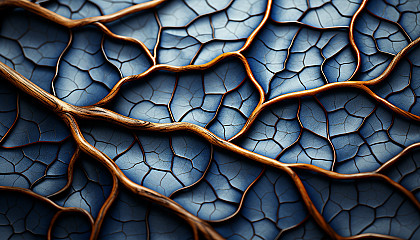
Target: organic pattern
(208, 119)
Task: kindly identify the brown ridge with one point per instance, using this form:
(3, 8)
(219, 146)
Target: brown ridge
(259, 27)
(105, 207)
(70, 168)
(351, 37)
(96, 113)
(108, 32)
(196, 223)
(72, 23)
(59, 208)
(200, 228)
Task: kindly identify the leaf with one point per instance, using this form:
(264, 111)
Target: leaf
(208, 99)
(71, 226)
(133, 218)
(127, 57)
(271, 206)
(220, 193)
(401, 87)
(341, 130)
(83, 9)
(363, 206)
(406, 172)
(206, 30)
(404, 14)
(23, 216)
(32, 46)
(320, 14)
(85, 76)
(161, 162)
(73, 9)
(290, 58)
(90, 187)
(36, 151)
(270, 83)
(8, 110)
(378, 41)
(143, 26)
(308, 229)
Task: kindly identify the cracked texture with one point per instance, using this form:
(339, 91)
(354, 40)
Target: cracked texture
(205, 119)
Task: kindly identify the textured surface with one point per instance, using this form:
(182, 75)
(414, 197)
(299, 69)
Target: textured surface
(209, 119)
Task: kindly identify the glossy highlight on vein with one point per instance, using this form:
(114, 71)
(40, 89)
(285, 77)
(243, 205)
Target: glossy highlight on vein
(200, 98)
